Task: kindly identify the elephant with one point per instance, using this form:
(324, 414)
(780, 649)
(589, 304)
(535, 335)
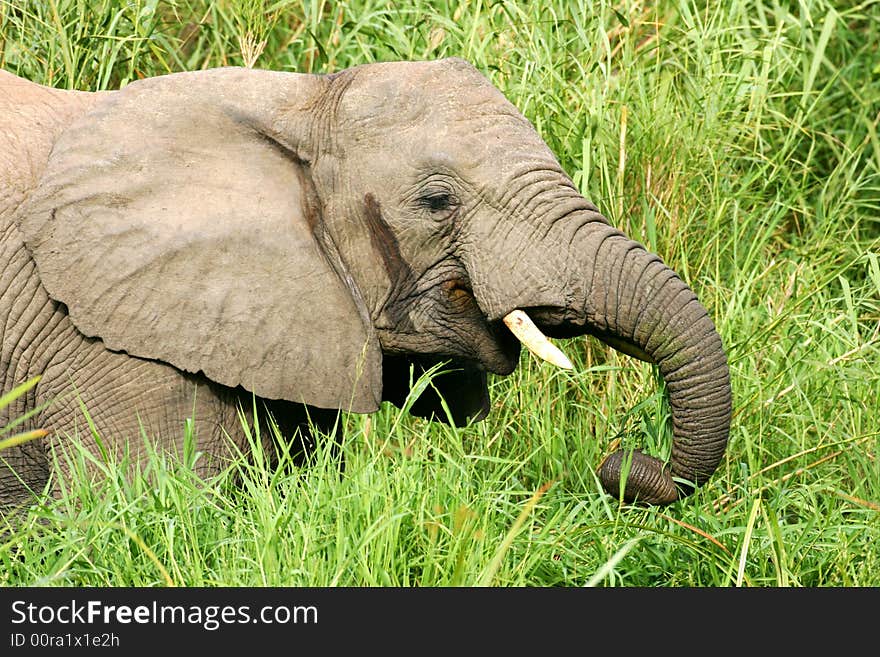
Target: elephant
(202, 244)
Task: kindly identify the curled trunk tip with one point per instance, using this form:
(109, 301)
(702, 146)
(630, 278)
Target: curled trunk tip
(647, 480)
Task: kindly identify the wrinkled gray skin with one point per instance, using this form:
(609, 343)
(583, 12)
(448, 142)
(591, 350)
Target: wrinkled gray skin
(173, 249)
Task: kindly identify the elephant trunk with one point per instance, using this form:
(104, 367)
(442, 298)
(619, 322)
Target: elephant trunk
(640, 306)
(635, 303)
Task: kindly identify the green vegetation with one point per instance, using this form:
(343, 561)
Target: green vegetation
(738, 140)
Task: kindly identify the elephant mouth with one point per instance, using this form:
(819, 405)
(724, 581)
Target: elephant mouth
(507, 334)
(456, 389)
(481, 342)
(458, 291)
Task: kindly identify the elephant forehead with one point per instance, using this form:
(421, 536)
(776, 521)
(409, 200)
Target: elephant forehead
(402, 96)
(427, 136)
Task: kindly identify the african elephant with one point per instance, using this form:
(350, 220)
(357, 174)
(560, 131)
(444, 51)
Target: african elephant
(198, 242)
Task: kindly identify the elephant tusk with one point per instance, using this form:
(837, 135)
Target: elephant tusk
(522, 326)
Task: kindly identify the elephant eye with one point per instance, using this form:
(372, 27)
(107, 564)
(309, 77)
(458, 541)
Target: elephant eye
(437, 201)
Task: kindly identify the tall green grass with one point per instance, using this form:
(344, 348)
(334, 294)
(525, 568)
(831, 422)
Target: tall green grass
(738, 140)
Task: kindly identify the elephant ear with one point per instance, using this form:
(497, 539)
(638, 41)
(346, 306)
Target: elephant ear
(178, 221)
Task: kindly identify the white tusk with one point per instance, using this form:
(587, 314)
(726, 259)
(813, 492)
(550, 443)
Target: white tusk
(522, 326)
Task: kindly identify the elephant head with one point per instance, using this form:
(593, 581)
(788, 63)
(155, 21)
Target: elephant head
(310, 238)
